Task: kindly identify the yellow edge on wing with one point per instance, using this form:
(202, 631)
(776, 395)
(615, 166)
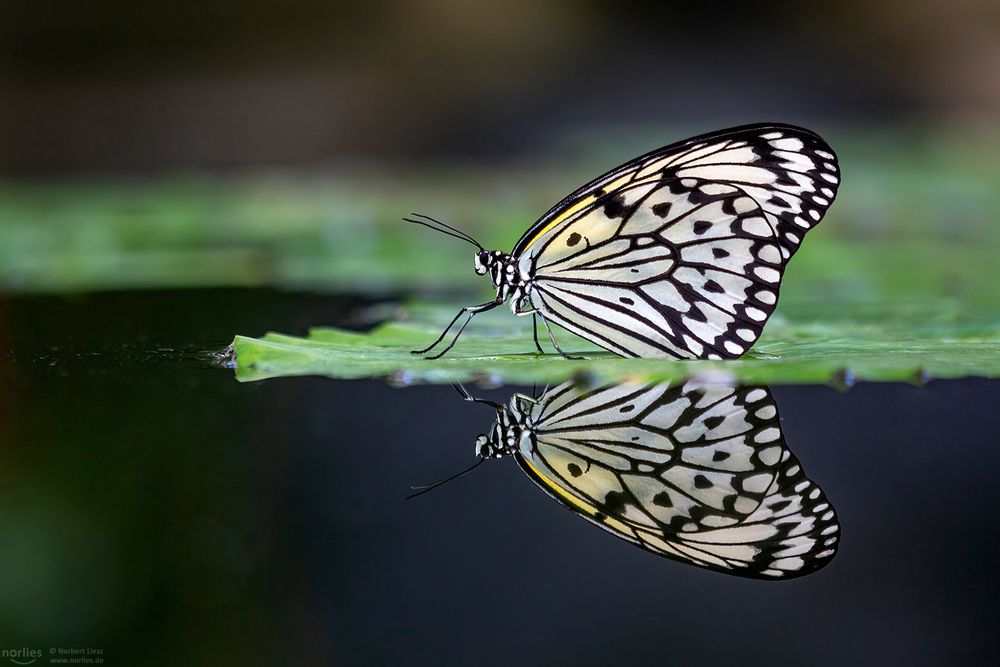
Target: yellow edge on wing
(584, 507)
(584, 202)
(589, 199)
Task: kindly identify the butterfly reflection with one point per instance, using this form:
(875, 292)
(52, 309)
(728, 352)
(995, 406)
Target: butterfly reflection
(696, 473)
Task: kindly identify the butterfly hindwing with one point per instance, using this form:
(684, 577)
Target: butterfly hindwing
(698, 474)
(692, 269)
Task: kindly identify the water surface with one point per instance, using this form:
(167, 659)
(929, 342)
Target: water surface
(153, 507)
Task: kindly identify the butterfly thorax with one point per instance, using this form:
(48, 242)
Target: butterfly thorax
(504, 438)
(503, 270)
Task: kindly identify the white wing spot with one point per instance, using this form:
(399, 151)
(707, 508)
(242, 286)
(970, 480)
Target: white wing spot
(756, 226)
(756, 395)
(716, 188)
(770, 456)
(768, 435)
(713, 521)
(789, 563)
(789, 144)
(746, 334)
(693, 345)
(768, 274)
(744, 505)
(766, 297)
(770, 254)
(756, 314)
(757, 483)
(733, 347)
(744, 205)
(766, 412)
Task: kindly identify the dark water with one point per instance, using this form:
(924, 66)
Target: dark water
(154, 509)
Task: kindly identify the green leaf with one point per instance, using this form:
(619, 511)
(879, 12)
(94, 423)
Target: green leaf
(875, 343)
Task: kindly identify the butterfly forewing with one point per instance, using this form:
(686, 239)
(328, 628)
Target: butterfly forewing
(791, 172)
(699, 474)
(680, 253)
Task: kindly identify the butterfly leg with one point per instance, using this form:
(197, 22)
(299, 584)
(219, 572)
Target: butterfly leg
(469, 312)
(466, 396)
(553, 339)
(534, 332)
(461, 312)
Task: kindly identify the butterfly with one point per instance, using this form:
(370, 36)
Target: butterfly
(678, 253)
(697, 473)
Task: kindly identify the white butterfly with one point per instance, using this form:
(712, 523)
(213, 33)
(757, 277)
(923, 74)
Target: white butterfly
(678, 253)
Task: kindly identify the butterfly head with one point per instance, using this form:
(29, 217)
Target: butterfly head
(488, 261)
(486, 448)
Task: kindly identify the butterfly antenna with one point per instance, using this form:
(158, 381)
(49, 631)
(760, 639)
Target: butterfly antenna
(445, 225)
(437, 229)
(439, 226)
(427, 488)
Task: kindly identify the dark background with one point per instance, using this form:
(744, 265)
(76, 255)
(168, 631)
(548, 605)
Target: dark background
(127, 87)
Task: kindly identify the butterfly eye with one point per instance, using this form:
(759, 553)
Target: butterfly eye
(482, 447)
(482, 262)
